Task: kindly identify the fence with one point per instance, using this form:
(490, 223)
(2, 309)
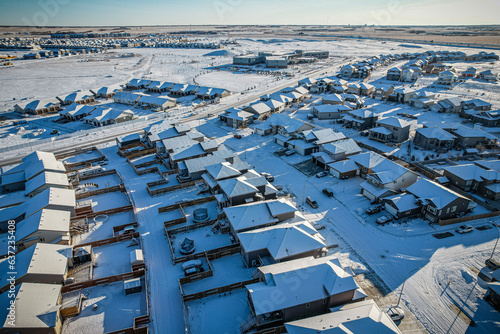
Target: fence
(98, 174)
(111, 240)
(119, 187)
(122, 227)
(186, 204)
(221, 252)
(198, 276)
(103, 280)
(105, 212)
(171, 188)
(443, 222)
(216, 291)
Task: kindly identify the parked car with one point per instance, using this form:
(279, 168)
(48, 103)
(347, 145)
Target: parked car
(344, 177)
(322, 174)
(281, 150)
(364, 133)
(328, 192)
(278, 187)
(312, 203)
(289, 153)
(464, 229)
(192, 267)
(383, 220)
(373, 209)
(395, 313)
(237, 136)
(269, 177)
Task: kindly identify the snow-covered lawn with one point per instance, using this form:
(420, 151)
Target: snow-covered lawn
(218, 314)
(103, 230)
(204, 240)
(82, 157)
(113, 259)
(227, 270)
(105, 181)
(108, 201)
(115, 310)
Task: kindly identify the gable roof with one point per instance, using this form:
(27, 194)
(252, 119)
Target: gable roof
(432, 192)
(394, 121)
(43, 220)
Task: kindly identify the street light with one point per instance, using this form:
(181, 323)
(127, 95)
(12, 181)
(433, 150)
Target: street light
(496, 243)
(403, 286)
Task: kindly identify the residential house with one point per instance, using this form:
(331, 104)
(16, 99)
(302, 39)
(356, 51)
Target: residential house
(351, 318)
(39, 107)
(394, 74)
(402, 95)
(248, 187)
(447, 78)
(135, 84)
(260, 110)
(469, 73)
(333, 99)
(390, 129)
(193, 169)
(77, 97)
(165, 130)
(162, 87)
(101, 116)
(107, 92)
(434, 138)
(438, 202)
(344, 169)
(37, 309)
(347, 71)
(328, 111)
(487, 75)
(45, 180)
(75, 111)
(360, 119)
(222, 171)
(237, 118)
(126, 98)
(156, 103)
(476, 104)
(353, 88)
(309, 141)
(474, 178)
(486, 118)
(366, 89)
(471, 137)
(319, 284)
(449, 105)
(402, 205)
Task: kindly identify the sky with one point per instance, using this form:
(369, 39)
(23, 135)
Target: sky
(248, 12)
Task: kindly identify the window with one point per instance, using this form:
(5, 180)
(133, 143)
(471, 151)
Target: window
(447, 210)
(468, 183)
(431, 209)
(308, 305)
(453, 208)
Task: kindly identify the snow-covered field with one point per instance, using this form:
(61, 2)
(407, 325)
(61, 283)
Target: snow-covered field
(113, 259)
(99, 230)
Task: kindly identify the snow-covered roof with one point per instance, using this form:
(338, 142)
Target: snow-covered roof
(222, 171)
(317, 279)
(237, 187)
(46, 178)
(403, 202)
(489, 164)
(199, 164)
(50, 197)
(333, 98)
(347, 146)
(43, 220)
(44, 165)
(473, 172)
(36, 306)
(259, 108)
(331, 108)
(433, 192)
(381, 130)
(436, 133)
(344, 166)
(41, 104)
(368, 159)
(464, 131)
(290, 124)
(393, 121)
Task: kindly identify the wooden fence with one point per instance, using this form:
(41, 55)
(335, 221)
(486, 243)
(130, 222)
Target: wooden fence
(274, 330)
(443, 222)
(137, 154)
(186, 204)
(198, 276)
(212, 254)
(219, 290)
(101, 191)
(171, 188)
(109, 241)
(105, 212)
(103, 280)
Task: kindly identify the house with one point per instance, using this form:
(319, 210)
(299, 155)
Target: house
(249, 187)
(135, 84)
(402, 205)
(101, 116)
(76, 111)
(319, 284)
(474, 178)
(384, 178)
(276, 62)
(447, 78)
(309, 141)
(208, 93)
(286, 125)
(347, 71)
(341, 149)
(248, 59)
(36, 308)
(393, 74)
(107, 92)
(45, 226)
(260, 214)
(275, 106)
(40, 263)
(338, 86)
(469, 73)
(409, 75)
(476, 104)
(353, 88)
(333, 99)
(450, 105)
(321, 86)
(492, 296)
(128, 140)
(486, 118)
(434, 138)
(77, 97)
(351, 318)
(45, 180)
(259, 110)
(39, 107)
(165, 130)
(160, 87)
(307, 82)
(180, 150)
(402, 95)
(237, 118)
(360, 119)
(193, 169)
(221, 171)
(390, 129)
(487, 75)
(343, 169)
(126, 98)
(438, 202)
(366, 89)
(156, 103)
(179, 90)
(471, 137)
(328, 111)
(353, 101)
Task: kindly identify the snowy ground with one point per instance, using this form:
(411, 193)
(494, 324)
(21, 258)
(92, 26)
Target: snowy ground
(115, 310)
(113, 259)
(103, 230)
(105, 181)
(89, 155)
(204, 240)
(108, 201)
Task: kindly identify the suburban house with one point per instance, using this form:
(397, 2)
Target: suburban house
(76, 111)
(474, 178)
(347, 71)
(434, 138)
(353, 88)
(156, 103)
(366, 89)
(447, 78)
(259, 110)
(183, 148)
(45, 180)
(45, 226)
(339, 86)
(126, 98)
(471, 137)
(77, 97)
(281, 242)
(360, 119)
(101, 116)
(260, 214)
(285, 126)
(486, 118)
(135, 84)
(438, 202)
(319, 284)
(327, 111)
(107, 92)
(385, 177)
(237, 118)
(344, 168)
(309, 141)
(222, 171)
(476, 104)
(487, 75)
(246, 188)
(40, 263)
(449, 105)
(401, 95)
(469, 73)
(165, 130)
(394, 74)
(38, 107)
(37, 309)
(159, 87)
(193, 169)
(336, 151)
(350, 318)
(402, 205)
(333, 99)
(390, 129)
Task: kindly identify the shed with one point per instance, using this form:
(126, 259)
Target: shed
(82, 255)
(136, 258)
(132, 286)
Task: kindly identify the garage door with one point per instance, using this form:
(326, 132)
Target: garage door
(334, 173)
(369, 195)
(391, 210)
